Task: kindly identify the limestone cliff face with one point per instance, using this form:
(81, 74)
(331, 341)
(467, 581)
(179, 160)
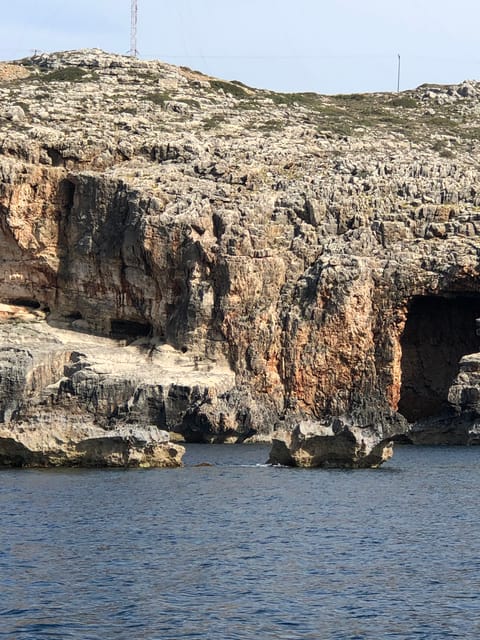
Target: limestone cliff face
(302, 241)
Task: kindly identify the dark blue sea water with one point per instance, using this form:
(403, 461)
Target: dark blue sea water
(240, 551)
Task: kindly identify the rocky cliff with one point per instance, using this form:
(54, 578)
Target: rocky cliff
(318, 255)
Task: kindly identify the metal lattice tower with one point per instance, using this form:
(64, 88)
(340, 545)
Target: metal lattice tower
(133, 30)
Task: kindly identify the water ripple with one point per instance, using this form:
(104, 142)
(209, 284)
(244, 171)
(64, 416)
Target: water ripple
(241, 550)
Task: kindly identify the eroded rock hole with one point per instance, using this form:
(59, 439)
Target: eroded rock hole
(129, 329)
(438, 332)
(25, 302)
(75, 315)
(68, 188)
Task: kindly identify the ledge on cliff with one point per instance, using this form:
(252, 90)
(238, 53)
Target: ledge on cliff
(69, 398)
(52, 444)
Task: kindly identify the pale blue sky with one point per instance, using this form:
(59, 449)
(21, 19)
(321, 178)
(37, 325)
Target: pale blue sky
(328, 46)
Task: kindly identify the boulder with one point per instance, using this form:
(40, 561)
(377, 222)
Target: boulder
(330, 445)
(459, 424)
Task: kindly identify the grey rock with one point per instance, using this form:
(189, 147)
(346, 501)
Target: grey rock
(334, 444)
(15, 113)
(84, 446)
(459, 423)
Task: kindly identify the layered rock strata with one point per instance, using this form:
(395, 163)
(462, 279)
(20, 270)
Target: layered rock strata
(54, 443)
(317, 247)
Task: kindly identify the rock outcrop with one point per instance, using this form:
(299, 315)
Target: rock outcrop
(338, 444)
(54, 443)
(73, 398)
(323, 251)
(459, 424)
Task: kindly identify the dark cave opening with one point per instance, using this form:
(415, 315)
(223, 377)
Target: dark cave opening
(438, 332)
(25, 302)
(130, 329)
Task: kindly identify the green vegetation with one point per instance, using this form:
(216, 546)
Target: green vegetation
(310, 100)
(248, 104)
(69, 74)
(406, 102)
(440, 146)
(472, 133)
(213, 122)
(147, 76)
(235, 88)
(350, 97)
(242, 84)
(190, 101)
(24, 105)
(195, 71)
(131, 110)
(158, 97)
(271, 125)
(446, 153)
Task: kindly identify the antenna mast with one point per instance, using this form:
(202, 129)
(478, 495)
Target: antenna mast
(133, 31)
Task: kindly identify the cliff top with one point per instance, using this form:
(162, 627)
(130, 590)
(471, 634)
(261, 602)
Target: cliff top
(91, 108)
(179, 137)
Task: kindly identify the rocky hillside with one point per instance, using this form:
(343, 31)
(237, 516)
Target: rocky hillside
(321, 251)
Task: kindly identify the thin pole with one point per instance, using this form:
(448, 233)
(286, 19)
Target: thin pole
(133, 30)
(398, 75)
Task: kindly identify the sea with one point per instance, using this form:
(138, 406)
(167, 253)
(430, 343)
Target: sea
(229, 548)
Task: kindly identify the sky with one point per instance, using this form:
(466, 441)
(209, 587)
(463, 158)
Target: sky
(326, 46)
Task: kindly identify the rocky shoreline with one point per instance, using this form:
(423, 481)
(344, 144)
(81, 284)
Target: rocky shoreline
(252, 261)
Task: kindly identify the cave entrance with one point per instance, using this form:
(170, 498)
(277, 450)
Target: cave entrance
(438, 332)
(130, 330)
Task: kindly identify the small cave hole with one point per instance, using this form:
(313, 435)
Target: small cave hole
(75, 315)
(129, 329)
(68, 193)
(25, 302)
(439, 331)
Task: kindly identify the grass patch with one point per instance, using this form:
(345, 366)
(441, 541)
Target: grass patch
(446, 153)
(24, 105)
(158, 97)
(350, 97)
(213, 122)
(68, 74)
(191, 102)
(131, 110)
(472, 133)
(195, 71)
(406, 102)
(148, 76)
(247, 105)
(309, 99)
(233, 88)
(271, 125)
(441, 148)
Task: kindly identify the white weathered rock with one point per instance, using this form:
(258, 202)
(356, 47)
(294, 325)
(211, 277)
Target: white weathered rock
(72, 398)
(48, 443)
(336, 444)
(15, 113)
